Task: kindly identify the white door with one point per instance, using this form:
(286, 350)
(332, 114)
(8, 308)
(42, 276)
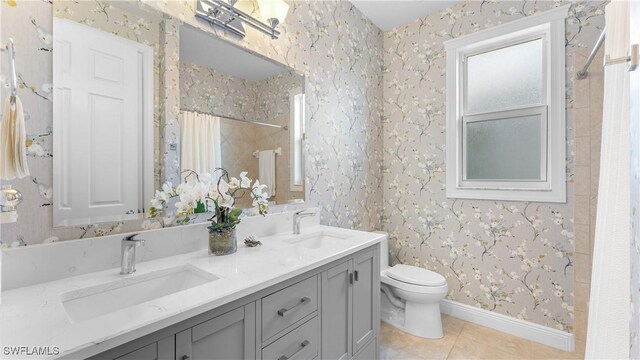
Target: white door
(98, 113)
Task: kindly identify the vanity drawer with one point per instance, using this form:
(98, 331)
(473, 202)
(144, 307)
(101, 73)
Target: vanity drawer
(303, 343)
(288, 305)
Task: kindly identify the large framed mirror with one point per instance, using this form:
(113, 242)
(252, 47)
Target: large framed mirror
(233, 109)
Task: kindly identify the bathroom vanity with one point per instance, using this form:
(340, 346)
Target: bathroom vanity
(330, 312)
(308, 296)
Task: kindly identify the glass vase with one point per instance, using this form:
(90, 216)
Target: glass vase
(222, 243)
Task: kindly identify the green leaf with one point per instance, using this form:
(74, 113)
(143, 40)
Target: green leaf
(235, 213)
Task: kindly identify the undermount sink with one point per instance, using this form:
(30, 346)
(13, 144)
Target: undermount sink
(316, 240)
(94, 301)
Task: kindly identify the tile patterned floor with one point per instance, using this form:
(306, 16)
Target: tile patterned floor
(464, 340)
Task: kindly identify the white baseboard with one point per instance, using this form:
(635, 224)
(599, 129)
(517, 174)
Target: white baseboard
(510, 325)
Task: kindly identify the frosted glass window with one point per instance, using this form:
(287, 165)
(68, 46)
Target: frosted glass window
(505, 78)
(506, 94)
(504, 149)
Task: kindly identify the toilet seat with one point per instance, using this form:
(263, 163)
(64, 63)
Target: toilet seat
(418, 289)
(415, 276)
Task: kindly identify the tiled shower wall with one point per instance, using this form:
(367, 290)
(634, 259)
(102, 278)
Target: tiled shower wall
(586, 114)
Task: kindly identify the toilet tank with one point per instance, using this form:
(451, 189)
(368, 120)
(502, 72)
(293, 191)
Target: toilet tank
(384, 250)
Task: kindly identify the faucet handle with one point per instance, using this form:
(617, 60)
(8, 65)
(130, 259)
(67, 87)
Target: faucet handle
(132, 238)
(305, 212)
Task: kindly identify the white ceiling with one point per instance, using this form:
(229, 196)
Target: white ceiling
(203, 49)
(388, 14)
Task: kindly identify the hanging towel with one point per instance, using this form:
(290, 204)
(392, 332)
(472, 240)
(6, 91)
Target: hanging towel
(267, 170)
(13, 149)
(200, 149)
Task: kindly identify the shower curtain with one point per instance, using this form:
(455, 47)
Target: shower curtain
(608, 328)
(200, 143)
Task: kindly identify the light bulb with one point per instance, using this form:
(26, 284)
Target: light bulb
(273, 11)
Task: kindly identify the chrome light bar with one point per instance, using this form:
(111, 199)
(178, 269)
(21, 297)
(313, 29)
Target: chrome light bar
(224, 14)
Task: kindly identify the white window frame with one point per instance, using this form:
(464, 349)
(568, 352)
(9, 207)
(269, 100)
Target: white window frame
(551, 187)
(292, 139)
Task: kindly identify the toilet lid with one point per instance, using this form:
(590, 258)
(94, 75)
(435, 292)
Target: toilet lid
(415, 275)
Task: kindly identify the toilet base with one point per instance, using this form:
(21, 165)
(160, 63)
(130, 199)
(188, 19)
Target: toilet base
(424, 320)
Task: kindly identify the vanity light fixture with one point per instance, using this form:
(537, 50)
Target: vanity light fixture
(225, 14)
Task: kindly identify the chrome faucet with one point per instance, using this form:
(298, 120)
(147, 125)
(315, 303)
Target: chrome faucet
(128, 254)
(297, 216)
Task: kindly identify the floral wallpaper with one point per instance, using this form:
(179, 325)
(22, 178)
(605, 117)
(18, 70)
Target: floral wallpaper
(168, 158)
(515, 258)
(337, 49)
(207, 90)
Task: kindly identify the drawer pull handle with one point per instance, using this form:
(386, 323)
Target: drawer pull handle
(282, 312)
(303, 345)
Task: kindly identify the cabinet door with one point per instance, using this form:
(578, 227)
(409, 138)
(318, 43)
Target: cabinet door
(336, 312)
(161, 350)
(370, 352)
(228, 336)
(364, 298)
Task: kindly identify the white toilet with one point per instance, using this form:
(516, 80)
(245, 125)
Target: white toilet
(410, 297)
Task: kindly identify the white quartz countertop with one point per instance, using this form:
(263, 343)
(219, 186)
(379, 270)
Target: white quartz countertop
(34, 316)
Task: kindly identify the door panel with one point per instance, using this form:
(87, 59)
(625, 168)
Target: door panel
(228, 336)
(370, 352)
(98, 122)
(149, 352)
(161, 350)
(336, 312)
(363, 299)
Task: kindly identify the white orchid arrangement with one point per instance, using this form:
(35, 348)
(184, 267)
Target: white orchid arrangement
(205, 192)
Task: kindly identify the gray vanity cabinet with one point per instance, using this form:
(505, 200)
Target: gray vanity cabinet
(350, 306)
(228, 336)
(331, 312)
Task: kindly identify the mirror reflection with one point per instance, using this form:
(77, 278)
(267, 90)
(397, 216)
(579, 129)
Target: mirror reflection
(237, 111)
(242, 113)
